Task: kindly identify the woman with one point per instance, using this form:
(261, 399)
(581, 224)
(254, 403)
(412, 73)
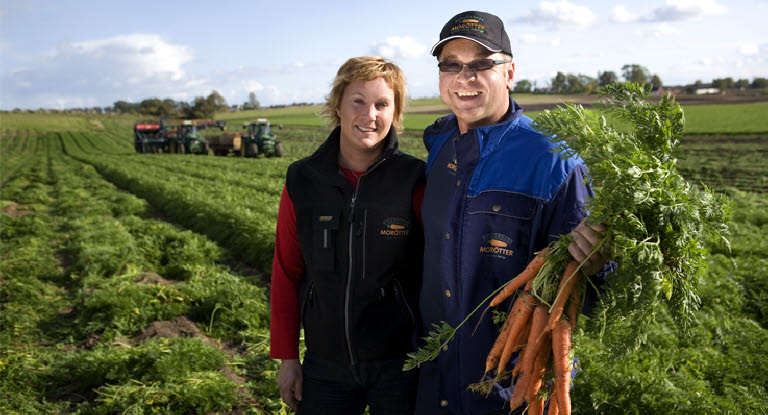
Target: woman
(348, 252)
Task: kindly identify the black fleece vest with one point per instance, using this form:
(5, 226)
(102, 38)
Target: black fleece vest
(362, 250)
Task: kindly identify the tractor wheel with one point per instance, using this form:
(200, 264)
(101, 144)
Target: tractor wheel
(254, 150)
(279, 150)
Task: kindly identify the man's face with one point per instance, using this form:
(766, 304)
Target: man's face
(477, 98)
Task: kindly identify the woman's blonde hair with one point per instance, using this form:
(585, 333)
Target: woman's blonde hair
(366, 68)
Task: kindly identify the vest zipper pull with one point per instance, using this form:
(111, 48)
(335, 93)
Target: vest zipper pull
(352, 210)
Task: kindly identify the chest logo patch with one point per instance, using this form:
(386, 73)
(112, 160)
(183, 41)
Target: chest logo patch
(395, 227)
(452, 165)
(497, 245)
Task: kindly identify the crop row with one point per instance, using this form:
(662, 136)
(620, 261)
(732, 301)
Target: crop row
(238, 214)
(106, 311)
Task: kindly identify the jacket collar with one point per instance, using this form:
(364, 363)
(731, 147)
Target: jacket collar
(449, 124)
(326, 157)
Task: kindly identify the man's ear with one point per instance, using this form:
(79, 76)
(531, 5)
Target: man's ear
(511, 75)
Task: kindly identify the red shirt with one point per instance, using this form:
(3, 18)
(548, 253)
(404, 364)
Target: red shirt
(287, 271)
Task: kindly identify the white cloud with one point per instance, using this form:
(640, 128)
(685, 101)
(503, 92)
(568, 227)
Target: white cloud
(620, 14)
(399, 47)
(561, 14)
(528, 38)
(250, 85)
(675, 10)
(659, 30)
(102, 71)
(142, 55)
(749, 49)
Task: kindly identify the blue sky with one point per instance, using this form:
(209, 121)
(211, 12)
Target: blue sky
(63, 54)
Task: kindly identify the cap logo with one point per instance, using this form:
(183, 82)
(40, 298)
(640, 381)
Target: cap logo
(472, 23)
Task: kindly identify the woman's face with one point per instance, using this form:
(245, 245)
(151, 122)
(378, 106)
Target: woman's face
(366, 111)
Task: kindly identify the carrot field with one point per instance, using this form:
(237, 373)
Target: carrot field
(139, 283)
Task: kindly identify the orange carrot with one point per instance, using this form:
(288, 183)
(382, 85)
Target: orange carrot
(561, 348)
(567, 284)
(519, 364)
(521, 279)
(536, 407)
(494, 356)
(553, 409)
(540, 367)
(574, 309)
(522, 313)
(537, 327)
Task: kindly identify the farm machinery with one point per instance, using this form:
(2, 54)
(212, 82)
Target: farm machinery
(257, 139)
(149, 137)
(184, 138)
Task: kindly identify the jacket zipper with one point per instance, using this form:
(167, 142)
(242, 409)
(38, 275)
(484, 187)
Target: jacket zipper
(349, 274)
(347, 297)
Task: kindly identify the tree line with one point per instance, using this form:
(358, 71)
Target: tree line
(569, 83)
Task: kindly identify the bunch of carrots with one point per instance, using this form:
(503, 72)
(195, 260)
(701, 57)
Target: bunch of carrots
(542, 335)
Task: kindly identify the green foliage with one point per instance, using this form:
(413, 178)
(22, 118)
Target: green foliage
(69, 180)
(657, 222)
(432, 344)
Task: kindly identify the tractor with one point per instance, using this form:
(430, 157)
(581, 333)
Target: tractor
(186, 139)
(150, 137)
(257, 140)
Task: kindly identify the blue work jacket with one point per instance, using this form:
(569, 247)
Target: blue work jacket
(511, 197)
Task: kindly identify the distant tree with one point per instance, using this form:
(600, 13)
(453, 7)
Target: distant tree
(607, 78)
(216, 101)
(656, 81)
(201, 108)
(759, 83)
(723, 83)
(559, 83)
(172, 107)
(742, 83)
(636, 73)
(254, 103)
(152, 106)
(125, 107)
(523, 86)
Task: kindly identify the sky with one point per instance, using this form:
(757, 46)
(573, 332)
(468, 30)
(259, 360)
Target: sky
(62, 54)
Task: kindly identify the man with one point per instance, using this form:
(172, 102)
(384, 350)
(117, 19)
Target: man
(495, 196)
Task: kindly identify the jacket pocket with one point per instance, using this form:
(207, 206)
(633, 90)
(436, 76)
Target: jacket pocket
(506, 204)
(325, 227)
(308, 300)
(400, 296)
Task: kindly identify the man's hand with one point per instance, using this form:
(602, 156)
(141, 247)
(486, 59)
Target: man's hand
(585, 237)
(289, 382)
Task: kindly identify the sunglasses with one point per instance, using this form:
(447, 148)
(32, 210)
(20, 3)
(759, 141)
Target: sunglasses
(476, 66)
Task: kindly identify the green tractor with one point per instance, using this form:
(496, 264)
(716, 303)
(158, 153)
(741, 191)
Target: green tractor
(260, 140)
(185, 139)
(257, 139)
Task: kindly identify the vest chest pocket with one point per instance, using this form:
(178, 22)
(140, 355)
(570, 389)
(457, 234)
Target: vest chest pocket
(325, 226)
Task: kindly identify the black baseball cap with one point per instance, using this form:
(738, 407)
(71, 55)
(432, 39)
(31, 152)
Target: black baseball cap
(483, 28)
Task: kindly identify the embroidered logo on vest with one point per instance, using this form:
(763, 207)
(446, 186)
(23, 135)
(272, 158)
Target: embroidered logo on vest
(395, 228)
